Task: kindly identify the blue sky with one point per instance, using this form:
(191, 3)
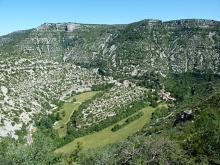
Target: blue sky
(25, 14)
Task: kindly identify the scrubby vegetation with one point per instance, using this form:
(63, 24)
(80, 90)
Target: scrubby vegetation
(74, 133)
(137, 150)
(106, 136)
(127, 121)
(184, 132)
(170, 67)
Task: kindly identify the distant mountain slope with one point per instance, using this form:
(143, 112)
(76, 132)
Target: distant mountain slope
(172, 66)
(42, 65)
(179, 45)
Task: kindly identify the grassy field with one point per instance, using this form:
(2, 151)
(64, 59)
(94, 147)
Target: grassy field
(67, 110)
(106, 136)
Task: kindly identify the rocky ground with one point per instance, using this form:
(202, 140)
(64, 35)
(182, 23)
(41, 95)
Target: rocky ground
(41, 66)
(30, 87)
(112, 102)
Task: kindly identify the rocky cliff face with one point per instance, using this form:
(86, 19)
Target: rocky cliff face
(40, 66)
(178, 46)
(68, 27)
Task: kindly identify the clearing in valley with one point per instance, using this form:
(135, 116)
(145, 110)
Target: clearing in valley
(67, 110)
(106, 136)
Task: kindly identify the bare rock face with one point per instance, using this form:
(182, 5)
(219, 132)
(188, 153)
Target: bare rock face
(179, 46)
(46, 26)
(184, 116)
(40, 66)
(69, 27)
(33, 87)
(153, 22)
(192, 23)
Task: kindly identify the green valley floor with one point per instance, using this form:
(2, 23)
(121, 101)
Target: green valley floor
(106, 136)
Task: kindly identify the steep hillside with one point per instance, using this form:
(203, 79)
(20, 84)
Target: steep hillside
(124, 50)
(170, 67)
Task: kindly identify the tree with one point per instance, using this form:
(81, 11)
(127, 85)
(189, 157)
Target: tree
(136, 150)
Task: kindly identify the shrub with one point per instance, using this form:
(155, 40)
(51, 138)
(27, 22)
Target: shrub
(127, 121)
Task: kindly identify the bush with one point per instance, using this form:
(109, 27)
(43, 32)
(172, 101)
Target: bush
(206, 138)
(137, 150)
(127, 121)
(102, 87)
(73, 133)
(160, 112)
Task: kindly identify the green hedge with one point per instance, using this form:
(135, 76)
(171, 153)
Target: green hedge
(127, 121)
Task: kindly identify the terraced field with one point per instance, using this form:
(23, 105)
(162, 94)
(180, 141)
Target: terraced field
(106, 136)
(67, 110)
